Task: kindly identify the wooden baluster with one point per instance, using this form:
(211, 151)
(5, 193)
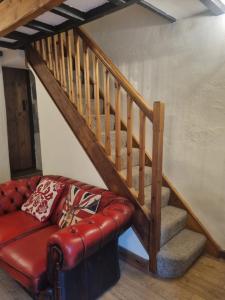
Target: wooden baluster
(118, 126)
(49, 46)
(157, 157)
(38, 46)
(96, 96)
(53, 57)
(87, 83)
(107, 111)
(56, 53)
(129, 140)
(43, 50)
(78, 73)
(142, 133)
(62, 58)
(70, 66)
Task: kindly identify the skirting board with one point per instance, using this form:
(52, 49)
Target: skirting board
(134, 260)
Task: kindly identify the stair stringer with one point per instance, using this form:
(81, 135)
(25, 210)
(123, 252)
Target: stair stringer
(88, 141)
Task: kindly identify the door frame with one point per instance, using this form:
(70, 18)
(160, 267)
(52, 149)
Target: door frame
(30, 112)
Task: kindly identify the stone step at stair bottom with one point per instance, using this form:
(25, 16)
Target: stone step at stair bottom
(135, 157)
(102, 122)
(178, 255)
(135, 174)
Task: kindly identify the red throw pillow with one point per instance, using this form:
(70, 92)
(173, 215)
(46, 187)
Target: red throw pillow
(79, 204)
(42, 201)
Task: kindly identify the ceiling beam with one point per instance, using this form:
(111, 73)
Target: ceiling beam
(217, 7)
(8, 45)
(17, 13)
(40, 26)
(158, 11)
(16, 35)
(69, 12)
(117, 2)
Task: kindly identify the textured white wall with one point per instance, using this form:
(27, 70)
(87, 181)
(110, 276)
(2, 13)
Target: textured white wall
(182, 64)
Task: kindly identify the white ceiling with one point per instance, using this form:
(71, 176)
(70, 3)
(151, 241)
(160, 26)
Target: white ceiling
(179, 9)
(85, 5)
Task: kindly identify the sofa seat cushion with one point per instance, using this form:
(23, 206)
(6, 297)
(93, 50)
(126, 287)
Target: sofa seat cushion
(26, 259)
(16, 225)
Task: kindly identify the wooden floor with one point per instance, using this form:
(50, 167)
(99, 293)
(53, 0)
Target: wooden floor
(205, 281)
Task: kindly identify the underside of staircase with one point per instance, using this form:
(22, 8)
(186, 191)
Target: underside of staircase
(166, 226)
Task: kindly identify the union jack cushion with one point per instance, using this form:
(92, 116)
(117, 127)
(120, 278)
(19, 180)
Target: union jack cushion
(79, 204)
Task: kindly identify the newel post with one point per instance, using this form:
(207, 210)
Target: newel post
(157, 158)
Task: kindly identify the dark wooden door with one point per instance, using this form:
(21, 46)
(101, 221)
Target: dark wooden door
(19, 119)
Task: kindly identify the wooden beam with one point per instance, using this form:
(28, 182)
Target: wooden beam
(16, 35)
(69, 12)
(40, 26)
(217, 7)
(17, 13)
(156, 10)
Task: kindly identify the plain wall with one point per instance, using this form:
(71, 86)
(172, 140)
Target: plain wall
(182, 64)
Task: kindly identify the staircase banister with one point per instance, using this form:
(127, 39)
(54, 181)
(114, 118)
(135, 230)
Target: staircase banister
(111, 67)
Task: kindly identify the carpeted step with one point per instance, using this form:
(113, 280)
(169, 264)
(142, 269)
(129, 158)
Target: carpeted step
(175, 257)
(173, 220)
(135, 157)
(135, 173)
(164, 198)
(102, 122)
(113, 137)
(93, 103)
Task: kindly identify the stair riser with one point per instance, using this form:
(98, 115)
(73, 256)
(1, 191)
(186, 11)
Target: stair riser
(112, 139)
(102, 123)
(148, 179)
(135, 158)
(92, 104)
(164, 197)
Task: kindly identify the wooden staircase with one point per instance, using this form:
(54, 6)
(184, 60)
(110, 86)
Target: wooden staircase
(116, 128)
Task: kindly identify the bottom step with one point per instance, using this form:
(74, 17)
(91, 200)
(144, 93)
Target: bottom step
(175, 257)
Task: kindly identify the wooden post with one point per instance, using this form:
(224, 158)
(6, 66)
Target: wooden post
(157, 157)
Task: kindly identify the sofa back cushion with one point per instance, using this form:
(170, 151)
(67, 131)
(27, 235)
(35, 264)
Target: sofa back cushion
(79, 204)
(15, 192)
(106, 196)
(43, 200)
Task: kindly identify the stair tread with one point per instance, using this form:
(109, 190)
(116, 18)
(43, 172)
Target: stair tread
(164, 198)
(176, 256)
(173, 220)
(135, 174)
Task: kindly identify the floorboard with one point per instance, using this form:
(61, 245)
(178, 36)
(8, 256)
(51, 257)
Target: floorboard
(204, 281)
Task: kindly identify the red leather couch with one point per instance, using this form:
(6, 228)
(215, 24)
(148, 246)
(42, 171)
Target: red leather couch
(77, 262)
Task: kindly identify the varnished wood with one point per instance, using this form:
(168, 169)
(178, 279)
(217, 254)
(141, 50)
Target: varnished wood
(142, 134)
(62, 61)
(157, 157)
(129, 140)
(49, 47)
(118, 126)
(87, 139)
(43, 50)
(78, 73)
(116, 73)
(96, 95)
(87, 83)
(17, 13)
(107, 111)
(70, 66)
(56, 53)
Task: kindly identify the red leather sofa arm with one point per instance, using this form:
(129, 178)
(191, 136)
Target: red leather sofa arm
(15, 192)
(80, 241)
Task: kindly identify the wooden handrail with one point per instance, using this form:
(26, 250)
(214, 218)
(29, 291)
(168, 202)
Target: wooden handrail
(138, 99)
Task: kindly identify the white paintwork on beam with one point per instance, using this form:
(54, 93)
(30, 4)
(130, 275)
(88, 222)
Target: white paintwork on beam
(26, 30)
(179, 9)
(85, 5)
(51, 18)
(3, 39)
